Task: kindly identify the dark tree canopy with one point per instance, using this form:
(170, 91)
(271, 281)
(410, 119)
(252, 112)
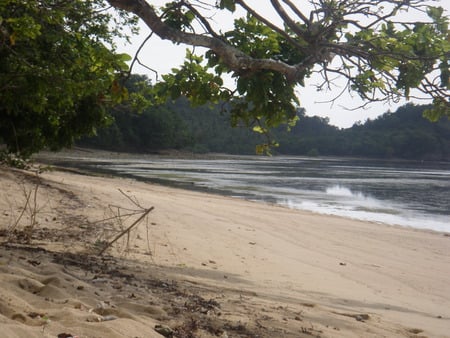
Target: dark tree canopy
(58, 71)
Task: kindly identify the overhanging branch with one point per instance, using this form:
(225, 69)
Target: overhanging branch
(232, 57)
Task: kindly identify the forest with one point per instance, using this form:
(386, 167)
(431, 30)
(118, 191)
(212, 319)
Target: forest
(403, 134)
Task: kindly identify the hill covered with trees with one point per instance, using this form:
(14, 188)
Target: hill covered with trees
(404, 133)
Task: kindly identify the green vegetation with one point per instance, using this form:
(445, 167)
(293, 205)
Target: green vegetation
(58, 71)
(404, 134)
(378, 54)
(172, 125)
(61, 76)
(176, 125)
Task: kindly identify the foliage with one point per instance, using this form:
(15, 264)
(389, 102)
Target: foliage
(401, 134)
(58, 71)
(191, 80)
(12, 160)
(169, 125)
(174, 125)
(378, 53)
(137, 126)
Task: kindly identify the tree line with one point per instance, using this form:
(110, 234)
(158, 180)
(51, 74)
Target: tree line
(404, 134)
(176, 124)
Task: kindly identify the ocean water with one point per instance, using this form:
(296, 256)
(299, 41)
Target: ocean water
(411, 194)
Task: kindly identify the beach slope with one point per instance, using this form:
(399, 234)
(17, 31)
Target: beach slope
(203, 265)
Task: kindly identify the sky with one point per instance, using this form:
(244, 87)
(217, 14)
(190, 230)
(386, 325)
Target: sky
(162, 56)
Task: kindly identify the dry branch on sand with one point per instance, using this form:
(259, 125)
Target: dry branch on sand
(145, 212)
(33, 207)
(25, 220)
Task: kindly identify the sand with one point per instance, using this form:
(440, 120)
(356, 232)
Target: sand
(203, 265)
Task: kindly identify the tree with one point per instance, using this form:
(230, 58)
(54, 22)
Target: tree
(148, 129)
(369, 44)
(58, 68)
(58, 71)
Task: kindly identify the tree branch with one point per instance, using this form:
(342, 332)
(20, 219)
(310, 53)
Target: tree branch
(318, 39)
(232, 57)
(287, 20)
(269, 24)
(297, 12)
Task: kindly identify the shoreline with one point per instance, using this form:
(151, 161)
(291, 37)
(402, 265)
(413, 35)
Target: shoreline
(431, 222)
(270, 268)
(191, 155)
(220, 193)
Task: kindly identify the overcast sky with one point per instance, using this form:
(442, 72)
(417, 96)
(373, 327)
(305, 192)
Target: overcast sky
(163, 55)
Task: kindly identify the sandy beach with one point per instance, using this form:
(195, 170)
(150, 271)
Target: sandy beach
(202, 265)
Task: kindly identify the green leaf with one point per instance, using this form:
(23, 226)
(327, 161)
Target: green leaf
(228, 4)
(440, 109)
(124, 57)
